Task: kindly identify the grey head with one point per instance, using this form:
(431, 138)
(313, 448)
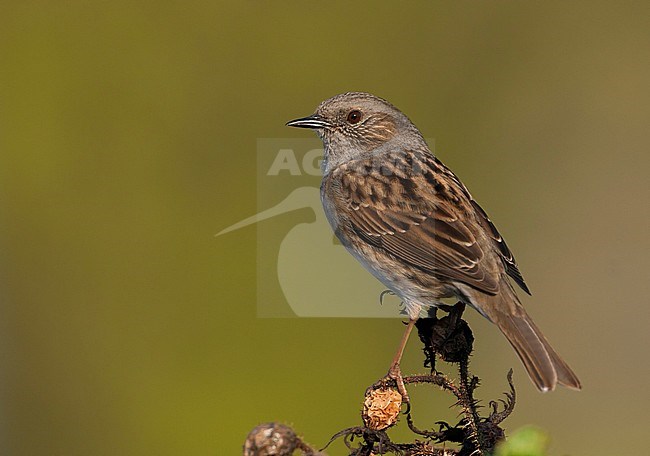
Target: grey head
(357, 125)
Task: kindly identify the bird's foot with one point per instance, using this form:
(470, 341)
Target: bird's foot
(395, 374)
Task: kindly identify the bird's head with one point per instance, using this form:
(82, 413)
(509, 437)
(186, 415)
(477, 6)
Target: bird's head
(357, 124)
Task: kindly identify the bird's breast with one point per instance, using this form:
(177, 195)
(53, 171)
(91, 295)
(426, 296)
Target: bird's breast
(412, 285)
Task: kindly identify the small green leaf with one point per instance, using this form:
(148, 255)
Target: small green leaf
(526, 441)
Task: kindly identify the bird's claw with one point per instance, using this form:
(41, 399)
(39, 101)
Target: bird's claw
(395, 374)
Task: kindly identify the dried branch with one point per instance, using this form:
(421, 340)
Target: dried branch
(448, 338)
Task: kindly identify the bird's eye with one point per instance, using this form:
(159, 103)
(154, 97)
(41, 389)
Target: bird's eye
(354, 116)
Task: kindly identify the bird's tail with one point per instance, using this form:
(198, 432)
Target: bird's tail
(544, 366)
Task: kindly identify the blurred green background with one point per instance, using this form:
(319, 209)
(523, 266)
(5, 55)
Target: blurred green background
(128, 138)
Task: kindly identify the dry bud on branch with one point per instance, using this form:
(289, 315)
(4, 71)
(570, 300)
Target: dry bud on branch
(381, 408)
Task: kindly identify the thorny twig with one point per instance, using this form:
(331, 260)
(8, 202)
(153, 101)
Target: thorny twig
(450, 339)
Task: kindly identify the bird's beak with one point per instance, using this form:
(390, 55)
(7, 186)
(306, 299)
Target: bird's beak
(313, 121)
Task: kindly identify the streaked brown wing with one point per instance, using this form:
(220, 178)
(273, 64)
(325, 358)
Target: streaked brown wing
(421, 217)
(506, 255)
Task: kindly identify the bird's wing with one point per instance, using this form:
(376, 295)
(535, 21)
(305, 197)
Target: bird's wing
(415, 209)
(506, 255)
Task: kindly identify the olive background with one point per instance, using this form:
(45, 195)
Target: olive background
(128, 139)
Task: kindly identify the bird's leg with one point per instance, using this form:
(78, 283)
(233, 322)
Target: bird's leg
(395, 371)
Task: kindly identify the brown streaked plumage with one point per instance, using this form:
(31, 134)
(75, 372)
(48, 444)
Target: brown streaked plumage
(411, 222)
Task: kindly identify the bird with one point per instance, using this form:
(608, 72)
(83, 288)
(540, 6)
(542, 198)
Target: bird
(411, 222)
